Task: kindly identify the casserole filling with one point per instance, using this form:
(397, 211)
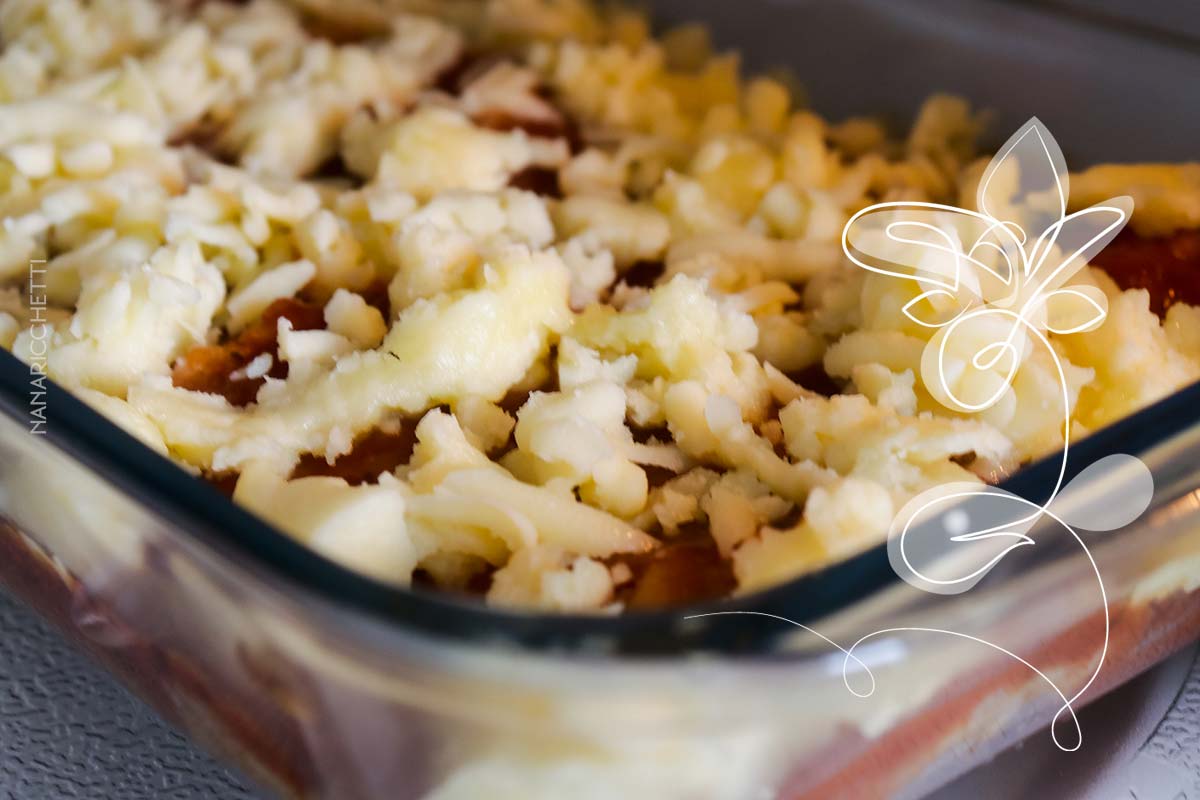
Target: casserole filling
(511, 297)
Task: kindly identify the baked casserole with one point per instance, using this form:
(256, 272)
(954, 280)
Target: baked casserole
(514, 297)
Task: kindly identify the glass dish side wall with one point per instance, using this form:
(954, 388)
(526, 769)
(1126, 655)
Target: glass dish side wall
(315, 699)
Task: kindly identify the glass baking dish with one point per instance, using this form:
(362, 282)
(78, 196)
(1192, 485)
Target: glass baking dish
(322, 683)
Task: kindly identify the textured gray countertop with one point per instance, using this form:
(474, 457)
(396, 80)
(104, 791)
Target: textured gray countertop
(69, 731)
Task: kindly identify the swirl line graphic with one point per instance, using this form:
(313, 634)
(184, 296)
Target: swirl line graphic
(995, 291)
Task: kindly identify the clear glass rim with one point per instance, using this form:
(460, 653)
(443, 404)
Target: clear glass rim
(206, 515)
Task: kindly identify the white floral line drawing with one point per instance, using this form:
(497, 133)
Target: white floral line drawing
(990, 303)
(863, 667)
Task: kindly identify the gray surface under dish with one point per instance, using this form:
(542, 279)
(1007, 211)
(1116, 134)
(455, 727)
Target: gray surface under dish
(68, 731)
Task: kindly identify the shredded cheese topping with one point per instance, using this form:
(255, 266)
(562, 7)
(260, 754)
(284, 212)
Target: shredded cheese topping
(599, 274)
